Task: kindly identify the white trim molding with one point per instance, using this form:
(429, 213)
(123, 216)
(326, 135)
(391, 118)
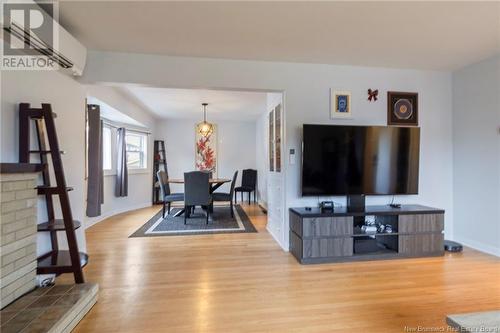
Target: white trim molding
(479, 246)
(91, 221)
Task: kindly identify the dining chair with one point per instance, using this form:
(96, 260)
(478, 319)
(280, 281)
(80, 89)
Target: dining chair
(221, 196)
(168, 197)
(210, 173)
(196, 192)
(248, 185)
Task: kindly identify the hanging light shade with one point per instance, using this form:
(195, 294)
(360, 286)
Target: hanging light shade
(205, 128)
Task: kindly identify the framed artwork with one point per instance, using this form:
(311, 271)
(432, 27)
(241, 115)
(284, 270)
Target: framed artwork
(271, 140)
(206, 151)
(402, 108)
(277, 138)
(340, 104)
(275, 120)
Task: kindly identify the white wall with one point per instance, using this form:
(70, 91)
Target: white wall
(307, 100)
(476, 148)
(67, 98)
(139, 182)
(236, 148)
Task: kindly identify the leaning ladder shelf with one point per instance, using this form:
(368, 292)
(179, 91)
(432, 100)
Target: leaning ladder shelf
(159, 160)
(55, 261)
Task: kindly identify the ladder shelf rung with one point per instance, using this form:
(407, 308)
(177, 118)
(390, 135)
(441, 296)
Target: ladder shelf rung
(58, 262)
(37, 114)
(56, 225)
(52, 190)
(62, 152)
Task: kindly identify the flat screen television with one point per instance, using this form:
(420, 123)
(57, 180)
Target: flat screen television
(355, 160)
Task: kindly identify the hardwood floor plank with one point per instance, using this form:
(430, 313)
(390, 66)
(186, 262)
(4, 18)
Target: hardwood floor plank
(245, 283)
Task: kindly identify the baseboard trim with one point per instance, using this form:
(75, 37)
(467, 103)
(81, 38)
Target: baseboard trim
(478, 246)
(90, 221)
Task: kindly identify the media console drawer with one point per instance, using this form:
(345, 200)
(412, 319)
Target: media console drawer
(421, 244)
(421, 223)
(327, 226)
(320, 247)
(327, 247)
(321, 226)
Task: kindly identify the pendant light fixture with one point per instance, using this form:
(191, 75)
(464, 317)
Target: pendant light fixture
(205, 128)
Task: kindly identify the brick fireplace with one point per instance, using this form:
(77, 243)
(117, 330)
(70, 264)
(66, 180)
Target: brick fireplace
(25, 308)
(18, 232)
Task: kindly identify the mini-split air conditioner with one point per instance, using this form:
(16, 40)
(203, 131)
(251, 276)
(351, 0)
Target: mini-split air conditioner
(63, 49)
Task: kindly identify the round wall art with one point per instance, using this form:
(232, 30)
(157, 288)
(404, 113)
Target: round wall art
(402, 108)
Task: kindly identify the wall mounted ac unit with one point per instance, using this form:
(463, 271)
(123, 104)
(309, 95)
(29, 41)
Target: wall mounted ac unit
(65, 50)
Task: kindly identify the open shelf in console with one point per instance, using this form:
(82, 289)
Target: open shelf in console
(375, 244)
(392, 220)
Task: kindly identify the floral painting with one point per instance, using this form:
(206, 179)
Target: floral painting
(206, 151)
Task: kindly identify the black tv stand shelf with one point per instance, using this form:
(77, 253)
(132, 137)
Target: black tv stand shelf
(316, 237)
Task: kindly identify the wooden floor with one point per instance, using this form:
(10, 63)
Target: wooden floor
(246, 283)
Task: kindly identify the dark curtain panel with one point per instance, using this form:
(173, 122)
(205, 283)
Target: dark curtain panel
(95, 192)
(121, 187)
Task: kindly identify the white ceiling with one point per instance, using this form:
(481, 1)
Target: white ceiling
(186, 103)
(422, 35)
(110, 113)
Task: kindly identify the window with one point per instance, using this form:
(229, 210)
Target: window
(136, 150)
(107, 156)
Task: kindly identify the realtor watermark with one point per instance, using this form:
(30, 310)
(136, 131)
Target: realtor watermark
(29, 36)
(430, 329)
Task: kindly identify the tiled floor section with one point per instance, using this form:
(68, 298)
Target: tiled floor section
(488, 321)
(45, 308)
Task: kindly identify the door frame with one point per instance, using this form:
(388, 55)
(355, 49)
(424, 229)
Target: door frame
(281, 235)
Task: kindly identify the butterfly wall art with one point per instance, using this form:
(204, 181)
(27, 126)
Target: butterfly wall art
(372, 95)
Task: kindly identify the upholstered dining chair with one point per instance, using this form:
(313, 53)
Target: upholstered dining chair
(248, 184)
(210, 173)
(220, 196)
(197, 192)
(168, 197)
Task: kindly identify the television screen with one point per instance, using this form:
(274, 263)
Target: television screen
(351, 160)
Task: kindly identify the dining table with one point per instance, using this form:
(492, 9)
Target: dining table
(215, 183)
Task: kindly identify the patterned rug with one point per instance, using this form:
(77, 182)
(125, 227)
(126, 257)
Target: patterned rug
(221, 222)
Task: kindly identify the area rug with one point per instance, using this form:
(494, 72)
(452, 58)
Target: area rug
(221, 223)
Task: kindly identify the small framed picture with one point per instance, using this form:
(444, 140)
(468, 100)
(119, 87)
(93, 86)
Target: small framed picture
(340, 104)
(402, 108)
